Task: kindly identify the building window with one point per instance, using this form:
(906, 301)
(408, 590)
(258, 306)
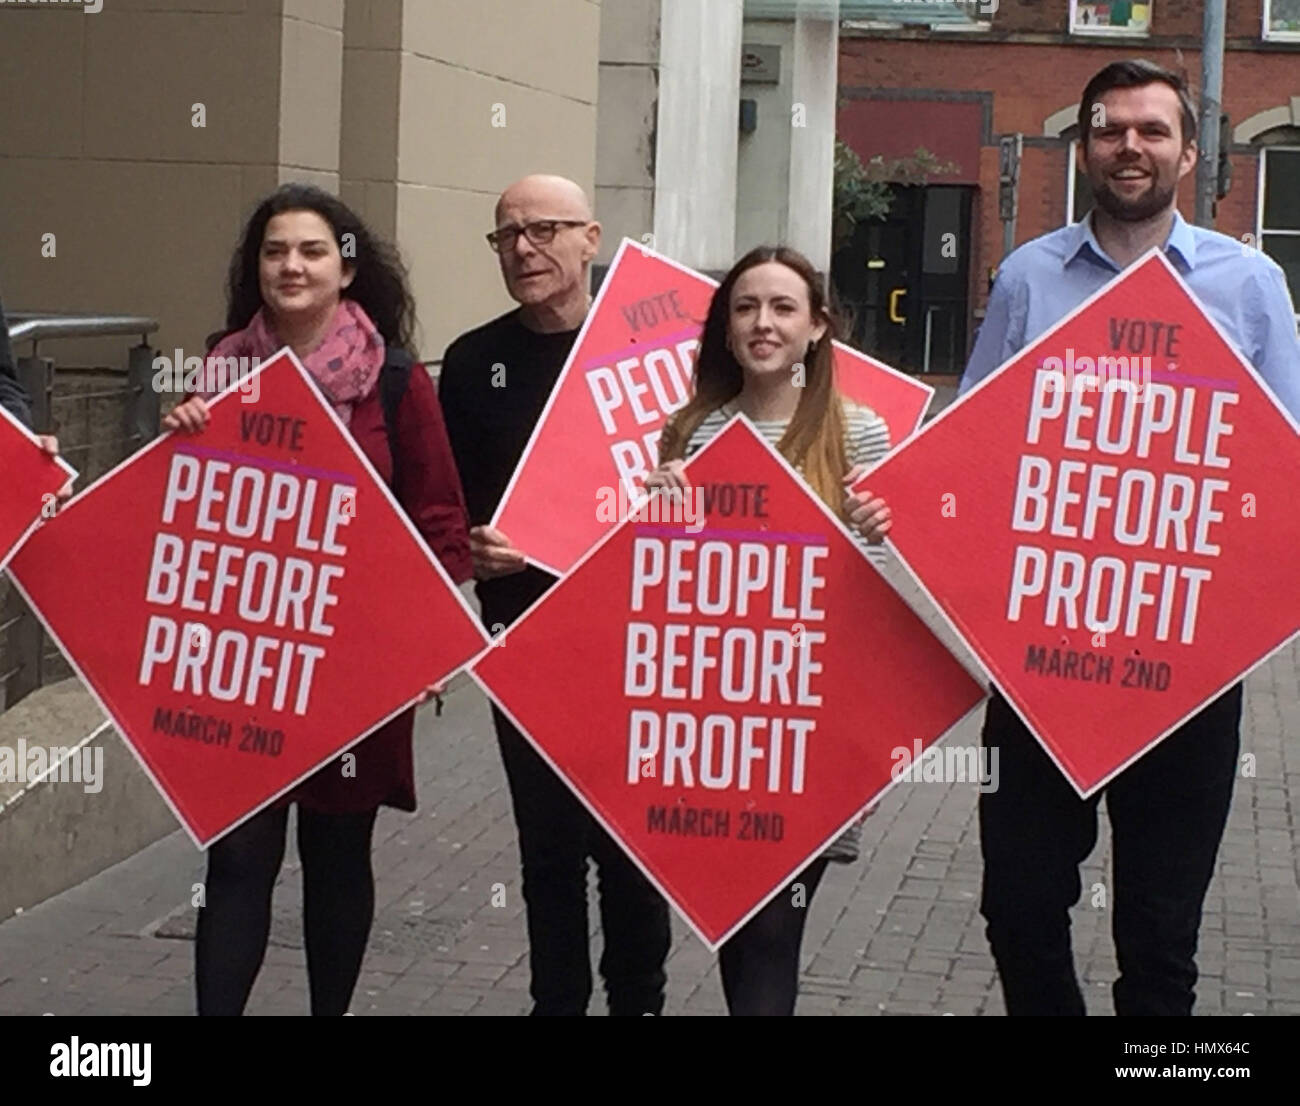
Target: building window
(1078, 192)
(1279, 211)
(938, 15)
(1110, 17)
(1282, 19)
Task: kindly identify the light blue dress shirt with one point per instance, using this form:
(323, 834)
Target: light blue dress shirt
(1243, 290)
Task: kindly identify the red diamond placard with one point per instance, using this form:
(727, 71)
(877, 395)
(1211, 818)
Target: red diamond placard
(30, 476)
(246, 603)
(726, 691)
(1108, 520)
(899, 399)
(629, 369)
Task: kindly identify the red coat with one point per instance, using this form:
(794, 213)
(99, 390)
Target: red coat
(429, 491)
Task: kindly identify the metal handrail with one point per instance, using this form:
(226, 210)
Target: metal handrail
(36, 326)
(27, 653)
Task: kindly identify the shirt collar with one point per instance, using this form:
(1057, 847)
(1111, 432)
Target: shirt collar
(1180, 245)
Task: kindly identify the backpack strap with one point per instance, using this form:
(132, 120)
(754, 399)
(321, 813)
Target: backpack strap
(393, 379)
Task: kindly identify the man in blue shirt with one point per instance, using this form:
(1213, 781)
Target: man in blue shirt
(1167, 811)
(1241, 288)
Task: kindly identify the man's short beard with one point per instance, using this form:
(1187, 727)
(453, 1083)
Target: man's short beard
(1134, 211)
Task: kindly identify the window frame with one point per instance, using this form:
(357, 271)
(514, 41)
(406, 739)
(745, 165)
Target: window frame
(1270, 35)
(1071, 172)
(1071, 180)
(1093, 30)
(1260, 230)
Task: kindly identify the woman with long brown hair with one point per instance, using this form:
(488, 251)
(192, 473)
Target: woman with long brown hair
(766, 354)
(308, 273)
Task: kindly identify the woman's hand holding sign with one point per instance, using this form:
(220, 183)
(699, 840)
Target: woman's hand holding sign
(192, 416)
(869, 515)
(671, 474)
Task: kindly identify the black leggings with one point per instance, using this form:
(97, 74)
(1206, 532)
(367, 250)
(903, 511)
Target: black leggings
(338, 907)
(760, 963)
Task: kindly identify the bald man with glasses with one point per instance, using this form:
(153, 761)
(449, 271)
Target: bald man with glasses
(494, 385)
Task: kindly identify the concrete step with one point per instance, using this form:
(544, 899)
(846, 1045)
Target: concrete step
(95, 808)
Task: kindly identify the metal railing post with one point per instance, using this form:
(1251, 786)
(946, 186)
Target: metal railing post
(36, 374)
(26, 637)
(26, 648)
(142, 408)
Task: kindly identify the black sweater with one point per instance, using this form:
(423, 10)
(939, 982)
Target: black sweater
(495, 381)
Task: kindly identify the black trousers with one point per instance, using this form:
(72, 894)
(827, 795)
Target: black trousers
(338, 887)
(556, 837)
(760, 962)
(1167, 814)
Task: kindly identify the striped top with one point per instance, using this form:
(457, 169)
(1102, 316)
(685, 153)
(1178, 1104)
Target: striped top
(866, 441)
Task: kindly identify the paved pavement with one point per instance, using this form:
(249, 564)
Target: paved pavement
(896, 933)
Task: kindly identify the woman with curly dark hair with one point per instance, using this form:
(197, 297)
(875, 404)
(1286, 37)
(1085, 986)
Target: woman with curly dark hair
(308, 274)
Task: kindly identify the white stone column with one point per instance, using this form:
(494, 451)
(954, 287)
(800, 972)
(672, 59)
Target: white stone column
(696, 131)
(626, 112)
(812, 145)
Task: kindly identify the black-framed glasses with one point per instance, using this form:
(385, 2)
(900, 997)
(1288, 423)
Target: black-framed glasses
(540, 233)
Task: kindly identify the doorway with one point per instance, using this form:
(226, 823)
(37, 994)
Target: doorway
(902, 281)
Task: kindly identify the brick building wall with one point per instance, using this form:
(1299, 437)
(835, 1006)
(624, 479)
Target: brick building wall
(1030, 67)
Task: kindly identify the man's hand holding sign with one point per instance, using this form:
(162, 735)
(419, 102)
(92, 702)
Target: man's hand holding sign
(36, 481)
(493, 554)
(49, 445)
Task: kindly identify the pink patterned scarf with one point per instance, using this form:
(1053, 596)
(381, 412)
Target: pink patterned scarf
(345, 365)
